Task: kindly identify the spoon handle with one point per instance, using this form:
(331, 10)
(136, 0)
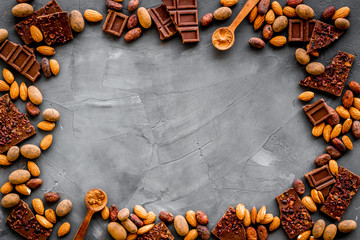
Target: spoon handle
(80, 234)
(249, 5)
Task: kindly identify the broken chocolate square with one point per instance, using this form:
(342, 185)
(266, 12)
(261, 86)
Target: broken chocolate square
(229, 227)
(163, 22)
(317, 112)
(321, 179)
(15, 126)
(300, 30)
(159, 232)
(323, 35)
(115, 23)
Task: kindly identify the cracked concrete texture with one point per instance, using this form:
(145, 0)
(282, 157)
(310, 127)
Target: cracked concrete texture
(177, 127)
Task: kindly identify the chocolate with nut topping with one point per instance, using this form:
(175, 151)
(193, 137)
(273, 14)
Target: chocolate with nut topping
(294, 216)
(229, 227)
(335, 76)
(15, 126)
(55, 28)
(159, 232)
(323, 35)
(23, 221)
(340, 196)
(317, 111)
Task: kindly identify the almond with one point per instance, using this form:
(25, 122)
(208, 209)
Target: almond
(317, 130)
(228, 3)
(305, 235)
(191, 218)
(261, 214)
(347, 142)
(314, 53)
(275, 224)
(327, 132)
(46, 142)
(8, 76)
(43, 221)
(4, 86)
(38, 206)
(240, 211)
(315, 196)
(276, 7)
(253, 215)
(46, 50)
(267, 219)
(355, 113)
(23, 91)
(14, 90)
(309, 204)
(192, 235)
(321, 197)
(346, 126)
(145, 229)
(93, 16)
(306, 96)
(151, 217)
(50, 215)
(23, 189)
(132, 236)
(140, 212)
(289, 12)
(341, 13)
(336, 131)
(64, 229)
(54, 67)
(33, 169)
(343, 112)
(278, 41)
(7, 188)
(35, 95)
(247, 218)
(253, 14)
(259, 21)
(36, 34)
(105, 213)
(4, 161)
(46, 126)
(334, 168)
(270, 17)
(356, 103)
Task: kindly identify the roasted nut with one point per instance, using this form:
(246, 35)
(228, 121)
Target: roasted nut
(33, 169)
(117, 231)
(304, 236)
(133, 4)
(267, 32)
(140, 211)
(38, 206)
(35, 95)
(347, 226)
(207, 19)
(151, 217)
(261, 214)
(166, 217)
(50, 215)
(256, 42)
(76, 21)
(19, 176)
(13, 153)
(10, 200)
(191, 218)
(276, 7)
(23, 189)
(330, 232)
(354, 86)
(317, 130)
(202, 218)
(253, 14)
(302, 56)
(299, 186)
(263, 6)
(280, 24)
(304, 11)
(64, 229)
(228, 3)
(128, 225)
(275, 224)
(93, 16)
(315, 68)
(289, 12)
(105, 213)
(63, 208)
(334, 168)
(144, 17)
(30, 151)
(123, 214)
(7, 188)
(336, 131)
(133, 34)
(259, 21)
(222, 13)
(51, 197)
(342, 23)
(181, 226)
(341, 13)
(315, 196)
(22, 10)
(240, 211)
(135, 219)
(247, 218)
(347, 142)
(3, 35)
(309, 204)
(327, 132)
(34, 183)
(253, 215)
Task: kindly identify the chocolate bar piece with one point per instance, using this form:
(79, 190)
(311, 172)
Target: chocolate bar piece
(321, 179)
(335, 76)
(317, 111)
(340, 196)
(23, 27)
(55, 28)
(21, 58)
(163, 22)
(159, 232)
(115, 23)
(229, 227)
(300, 30)
(15, 126)
(23, 221)
(323, 35)
(294, 216)
(184, 15)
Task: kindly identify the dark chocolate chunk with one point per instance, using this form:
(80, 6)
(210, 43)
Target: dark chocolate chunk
(115, 23)
(229, 227)
(321, 179)
(159, 232)
(323, 35)
(163, 22)
(317, 112)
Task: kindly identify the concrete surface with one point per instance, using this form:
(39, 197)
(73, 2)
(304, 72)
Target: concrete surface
(177, 127)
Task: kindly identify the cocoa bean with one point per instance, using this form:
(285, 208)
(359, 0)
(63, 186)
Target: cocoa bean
(110, 4)
(299, 186)
(338, 144)
(322, 159)
(166, 217)
(114, 210)
(334, 153)
(356, 129)
(132, 21)
(328, 13)
(32, 109)
(51, 197)
(207, 19)
(45, 66)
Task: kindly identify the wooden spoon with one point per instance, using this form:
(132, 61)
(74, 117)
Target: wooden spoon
(80, 234)
(224, 38)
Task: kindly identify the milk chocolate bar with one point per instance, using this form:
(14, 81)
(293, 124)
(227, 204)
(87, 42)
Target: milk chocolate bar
(294, 216)
(184, 15)
(335, 76)
(323, 35)
(300, 30)
(317, 112)
(159, 232)
(321, 179)
(229, 227)
(55, 28)
(115, 23)
(23, 221)
(23, 27)
(21, 58)
(341, 195)
(163, 22)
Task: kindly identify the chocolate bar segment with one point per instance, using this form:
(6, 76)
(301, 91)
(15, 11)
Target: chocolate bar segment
(335, 76)
(229, 227)
(321, 179)
(184, 15)
(23, 221)
(115, 23)
(295, 219)
(21, 58)
(55, 28)
(300, 30)
(340, 196)
(163, 22)
(323, 35)
(23, 27)
(317, 111)
(159, 232)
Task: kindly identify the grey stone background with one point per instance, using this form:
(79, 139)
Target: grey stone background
(177, 127)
